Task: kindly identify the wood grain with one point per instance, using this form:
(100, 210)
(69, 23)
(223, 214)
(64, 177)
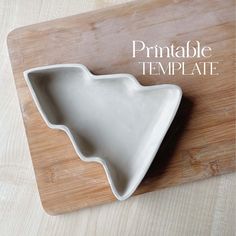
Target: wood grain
(200, 142)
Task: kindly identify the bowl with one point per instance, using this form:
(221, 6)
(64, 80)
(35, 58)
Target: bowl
(110, 119)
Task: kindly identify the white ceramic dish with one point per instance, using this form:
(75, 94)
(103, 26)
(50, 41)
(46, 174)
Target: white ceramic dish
(110, 119)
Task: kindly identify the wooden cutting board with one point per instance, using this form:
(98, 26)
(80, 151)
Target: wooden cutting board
(201, 140)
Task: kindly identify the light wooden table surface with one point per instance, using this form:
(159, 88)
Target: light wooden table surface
(201, 208)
